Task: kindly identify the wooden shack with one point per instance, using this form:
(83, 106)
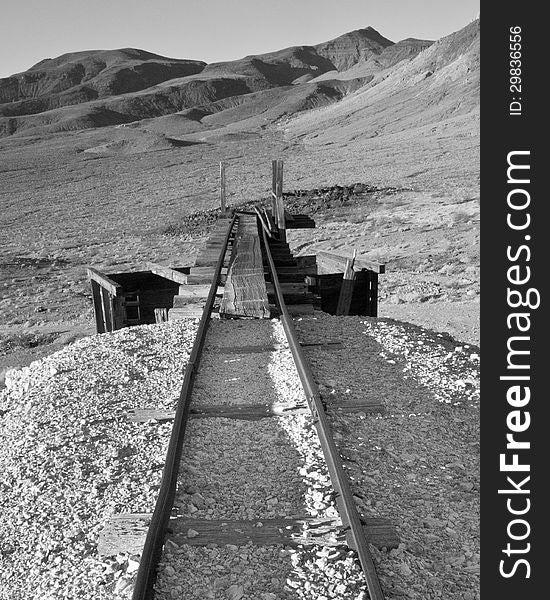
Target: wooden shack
(344, 285)
(131, 298)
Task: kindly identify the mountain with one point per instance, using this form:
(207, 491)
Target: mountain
(83, 76)
(438, 83)
(305, 87)
(121, 86)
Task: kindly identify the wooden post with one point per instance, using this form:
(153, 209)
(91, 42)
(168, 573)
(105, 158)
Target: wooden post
(161, 315)
(346, 291)
(274, 165)
(119, 313)
(222, 190)
(280, 205)
(105, 309)
(98, 306)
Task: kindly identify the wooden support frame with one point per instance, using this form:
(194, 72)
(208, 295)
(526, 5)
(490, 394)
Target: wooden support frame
(104, 281)
(107, 301)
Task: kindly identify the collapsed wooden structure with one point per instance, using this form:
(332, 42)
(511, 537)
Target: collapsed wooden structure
(327, 281)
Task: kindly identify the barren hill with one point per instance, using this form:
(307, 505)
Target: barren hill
(82, 76)
(441, 82)
(94, 89)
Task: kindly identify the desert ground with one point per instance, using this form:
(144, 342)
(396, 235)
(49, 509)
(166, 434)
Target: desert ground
(109, 173)
(117, 196)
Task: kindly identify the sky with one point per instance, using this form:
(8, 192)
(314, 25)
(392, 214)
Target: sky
(210, 30)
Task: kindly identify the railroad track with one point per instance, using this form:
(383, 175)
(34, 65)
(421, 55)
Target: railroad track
(261, 476)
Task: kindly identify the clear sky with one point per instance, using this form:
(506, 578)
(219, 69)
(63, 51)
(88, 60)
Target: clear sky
(210, 30)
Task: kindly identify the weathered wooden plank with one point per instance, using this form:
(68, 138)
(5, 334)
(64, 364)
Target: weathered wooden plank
(122, 533)
(125, 533)
(305, 531)
(346, 291)
(335, 262)
(167, 273)
(279, 202)
(161, 315)
(322, 345)
(105, 282)
(106, 308)
(271, 348)
(248, 412)
(274, 179)
(190, 311)
(191, 294)
(252, 349)
(200, 275)
(264, 221)
(143, 415)
(245, 412)
(98, 307)
(245, 293)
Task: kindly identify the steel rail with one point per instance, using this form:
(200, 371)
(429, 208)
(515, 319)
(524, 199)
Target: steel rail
(152, 549)
(344, 495)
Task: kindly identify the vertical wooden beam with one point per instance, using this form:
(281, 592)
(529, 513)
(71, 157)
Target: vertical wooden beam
(280, 204)
(223, 202)
(118, 312)
(274, 166)
(161, 315)
(346, 291)
(106, 310)
(98, 306)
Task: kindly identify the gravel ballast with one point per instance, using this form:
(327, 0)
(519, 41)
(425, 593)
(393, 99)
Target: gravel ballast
(254, 470)
(418, 464)
(69, 458)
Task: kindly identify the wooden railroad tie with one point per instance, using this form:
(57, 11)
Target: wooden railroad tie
(250, 412)
(245, 412)
(125, 532)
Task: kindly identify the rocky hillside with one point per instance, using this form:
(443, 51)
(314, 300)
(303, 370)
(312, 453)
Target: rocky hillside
(83, 76)
(438, 83)
(96, 89)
